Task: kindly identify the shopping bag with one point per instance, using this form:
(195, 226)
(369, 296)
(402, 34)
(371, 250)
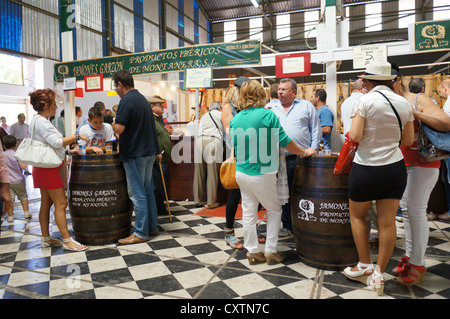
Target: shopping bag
(345, 158)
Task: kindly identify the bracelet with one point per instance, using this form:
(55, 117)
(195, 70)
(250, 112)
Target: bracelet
(77, 136)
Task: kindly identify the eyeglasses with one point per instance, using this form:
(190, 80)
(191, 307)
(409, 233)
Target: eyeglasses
(283, 90)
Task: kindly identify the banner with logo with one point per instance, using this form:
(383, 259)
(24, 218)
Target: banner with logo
(432, 36)
(169, 60)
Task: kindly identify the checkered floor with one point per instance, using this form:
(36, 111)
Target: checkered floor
(190, 260)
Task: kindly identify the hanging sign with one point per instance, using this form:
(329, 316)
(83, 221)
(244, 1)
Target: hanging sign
(432, 35)
(93, 83)
(364, 54)
(198, 78)
(293, 65)
(163, 61)
(70, 84)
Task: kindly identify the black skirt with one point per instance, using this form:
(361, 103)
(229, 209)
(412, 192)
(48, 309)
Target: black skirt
(367, 183)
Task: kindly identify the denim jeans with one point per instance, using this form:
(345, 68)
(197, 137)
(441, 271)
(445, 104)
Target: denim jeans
(439, 139)
(141, 192)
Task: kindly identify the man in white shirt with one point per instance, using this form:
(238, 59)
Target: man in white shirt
(207, 156)
(301, 123)
(347, 105)
(20, 129)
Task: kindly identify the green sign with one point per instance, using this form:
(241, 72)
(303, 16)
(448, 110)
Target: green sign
(67, 15)
(432, 35)
(170, 60)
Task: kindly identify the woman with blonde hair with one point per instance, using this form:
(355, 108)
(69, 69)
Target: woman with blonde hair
(49, 180)
(229, 109)
(256, 134)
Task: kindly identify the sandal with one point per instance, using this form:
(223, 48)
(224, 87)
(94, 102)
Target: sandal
(401, 266)
(231, 240)
(79, 247)
(411, 275)
(360, 274)
(261, 239)
(50, 242)
(376, 281)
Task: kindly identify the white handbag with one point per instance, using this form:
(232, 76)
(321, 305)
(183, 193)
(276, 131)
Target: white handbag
(38, 154)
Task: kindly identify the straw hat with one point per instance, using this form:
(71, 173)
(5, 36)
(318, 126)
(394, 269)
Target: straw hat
(378, 71)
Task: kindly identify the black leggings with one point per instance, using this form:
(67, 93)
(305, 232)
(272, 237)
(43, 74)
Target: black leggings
(233, 199)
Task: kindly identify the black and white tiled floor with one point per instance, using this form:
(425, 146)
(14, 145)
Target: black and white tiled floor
(189, 260)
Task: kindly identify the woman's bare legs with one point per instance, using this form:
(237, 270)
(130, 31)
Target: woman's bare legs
(387, 232)
(55, 197)
(360, 231)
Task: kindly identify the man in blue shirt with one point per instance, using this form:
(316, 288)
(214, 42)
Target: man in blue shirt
(301, 123)
(319, 100)
(139, 147)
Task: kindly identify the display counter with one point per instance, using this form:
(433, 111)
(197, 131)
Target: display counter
(181, 172)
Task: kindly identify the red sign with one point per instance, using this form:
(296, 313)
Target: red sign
(293, 65)
(93, 83)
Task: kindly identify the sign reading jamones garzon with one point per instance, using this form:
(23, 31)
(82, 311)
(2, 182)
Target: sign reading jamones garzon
(170, 60)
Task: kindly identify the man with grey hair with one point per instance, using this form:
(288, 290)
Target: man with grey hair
(208, 154)
(347, 105)
(417, 85)
(301, 123)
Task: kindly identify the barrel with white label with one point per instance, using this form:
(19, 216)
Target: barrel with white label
(99, 205)
(320, 214)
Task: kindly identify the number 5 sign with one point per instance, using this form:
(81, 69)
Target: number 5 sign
(363, 55)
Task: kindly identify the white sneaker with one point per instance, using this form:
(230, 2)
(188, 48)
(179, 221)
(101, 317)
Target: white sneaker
(284, 232)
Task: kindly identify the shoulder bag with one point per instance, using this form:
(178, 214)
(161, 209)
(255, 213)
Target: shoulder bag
(228, 173)
(38, 154)
(432, 145)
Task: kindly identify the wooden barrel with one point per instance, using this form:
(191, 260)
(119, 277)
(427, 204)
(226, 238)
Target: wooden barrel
(98, 200)
(320, 214)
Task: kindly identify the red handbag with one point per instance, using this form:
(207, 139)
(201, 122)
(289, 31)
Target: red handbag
(345, 158)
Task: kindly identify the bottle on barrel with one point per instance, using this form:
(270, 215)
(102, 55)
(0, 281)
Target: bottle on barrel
(321, 148)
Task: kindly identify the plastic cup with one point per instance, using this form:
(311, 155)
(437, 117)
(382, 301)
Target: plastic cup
(108, 149)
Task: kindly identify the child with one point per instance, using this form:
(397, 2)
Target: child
(17, 184)
(99, 133)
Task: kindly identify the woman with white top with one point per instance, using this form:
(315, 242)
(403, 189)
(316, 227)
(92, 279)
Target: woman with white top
(49, 179)
(381, 120)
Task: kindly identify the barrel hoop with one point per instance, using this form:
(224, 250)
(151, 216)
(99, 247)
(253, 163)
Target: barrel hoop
(312, 162)
(96, 167)
(321, 192)
(84, 183)
(323, 236)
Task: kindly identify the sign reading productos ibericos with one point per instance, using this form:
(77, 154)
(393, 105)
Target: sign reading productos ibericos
(169, 60)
